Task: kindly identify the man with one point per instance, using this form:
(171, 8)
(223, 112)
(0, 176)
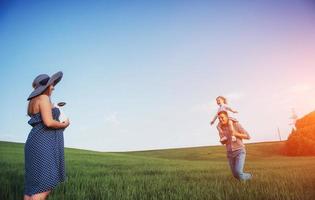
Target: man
(235, 149)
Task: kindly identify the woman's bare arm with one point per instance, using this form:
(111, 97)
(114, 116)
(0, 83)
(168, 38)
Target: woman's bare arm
(46, 113)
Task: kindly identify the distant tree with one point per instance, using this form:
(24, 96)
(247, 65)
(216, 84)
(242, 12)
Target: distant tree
(301, 141)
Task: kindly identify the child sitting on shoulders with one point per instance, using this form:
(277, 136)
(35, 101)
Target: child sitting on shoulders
(222, 103)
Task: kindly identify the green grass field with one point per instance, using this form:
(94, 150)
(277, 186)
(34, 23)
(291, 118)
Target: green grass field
(188, 173)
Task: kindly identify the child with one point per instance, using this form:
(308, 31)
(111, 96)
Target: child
(222, 103)
(62, 116)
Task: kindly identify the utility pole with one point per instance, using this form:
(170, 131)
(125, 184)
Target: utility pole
(279, 134)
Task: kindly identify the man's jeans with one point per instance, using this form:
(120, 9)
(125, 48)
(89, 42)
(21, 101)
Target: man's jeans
(237, 161)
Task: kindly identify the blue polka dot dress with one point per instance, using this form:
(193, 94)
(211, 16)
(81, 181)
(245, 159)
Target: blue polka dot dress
(44, 156)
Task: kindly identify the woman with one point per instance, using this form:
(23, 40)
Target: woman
(44, 148)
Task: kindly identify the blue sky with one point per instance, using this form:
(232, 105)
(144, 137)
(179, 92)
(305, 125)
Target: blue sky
(144, 75)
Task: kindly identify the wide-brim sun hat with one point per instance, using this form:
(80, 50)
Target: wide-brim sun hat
(42, 81)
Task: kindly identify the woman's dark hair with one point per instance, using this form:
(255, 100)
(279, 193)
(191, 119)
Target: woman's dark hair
(29, 103)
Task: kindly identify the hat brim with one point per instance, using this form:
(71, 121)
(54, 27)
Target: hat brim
(54, 80)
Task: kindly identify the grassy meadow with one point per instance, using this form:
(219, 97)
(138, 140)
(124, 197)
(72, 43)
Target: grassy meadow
(187, 173)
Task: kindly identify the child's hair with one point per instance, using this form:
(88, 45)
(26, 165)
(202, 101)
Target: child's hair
(223, 98)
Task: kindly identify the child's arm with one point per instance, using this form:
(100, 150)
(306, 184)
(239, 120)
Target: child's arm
(230, 109)
(215, 118)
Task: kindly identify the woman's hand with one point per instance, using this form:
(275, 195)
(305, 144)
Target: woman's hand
(66, 123)
(46, 113)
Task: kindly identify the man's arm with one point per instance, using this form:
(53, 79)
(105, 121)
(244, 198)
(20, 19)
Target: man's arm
(240, 132)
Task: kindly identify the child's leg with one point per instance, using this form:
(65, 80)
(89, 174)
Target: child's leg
(220, 130)
(231, 127)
